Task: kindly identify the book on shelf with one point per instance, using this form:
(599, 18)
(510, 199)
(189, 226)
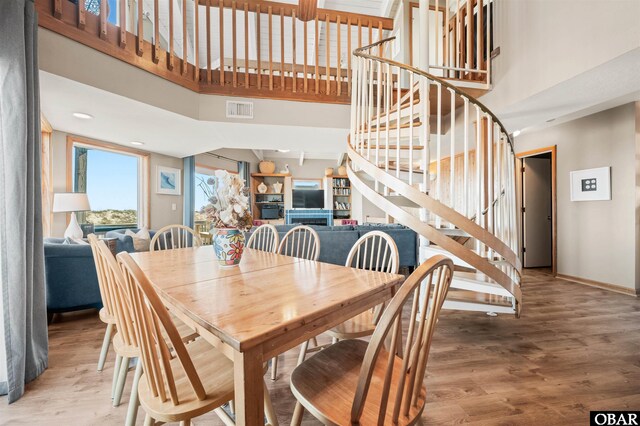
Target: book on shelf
(341, 183)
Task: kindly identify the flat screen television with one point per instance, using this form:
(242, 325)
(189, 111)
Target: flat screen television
(308, 198)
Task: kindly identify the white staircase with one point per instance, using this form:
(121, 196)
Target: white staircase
(438, 161)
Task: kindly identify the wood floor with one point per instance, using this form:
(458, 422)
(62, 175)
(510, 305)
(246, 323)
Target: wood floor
(575, 349)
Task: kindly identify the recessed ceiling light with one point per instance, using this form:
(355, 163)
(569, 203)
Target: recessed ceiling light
(516, 133)
(138, 143)
(83, 115)
(283, 150)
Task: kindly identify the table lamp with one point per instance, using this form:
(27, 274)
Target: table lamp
(65, 202)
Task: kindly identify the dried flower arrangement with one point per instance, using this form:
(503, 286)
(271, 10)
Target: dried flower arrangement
(228, 201)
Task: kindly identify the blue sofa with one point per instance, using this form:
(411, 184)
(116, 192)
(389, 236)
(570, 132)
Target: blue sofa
(70, 273)
(336, 241)
(70, 276)
(125, 242)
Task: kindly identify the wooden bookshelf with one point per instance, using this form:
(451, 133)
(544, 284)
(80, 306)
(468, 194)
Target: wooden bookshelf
(269, 198)
(341, 197)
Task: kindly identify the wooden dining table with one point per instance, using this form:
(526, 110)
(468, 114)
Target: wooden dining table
(267, 305)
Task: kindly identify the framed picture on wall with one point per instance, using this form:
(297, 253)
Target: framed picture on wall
(591, 184)
(168, 180)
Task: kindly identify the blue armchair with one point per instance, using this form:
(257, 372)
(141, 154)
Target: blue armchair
(70, 273)
(125, 242)
(71, 279)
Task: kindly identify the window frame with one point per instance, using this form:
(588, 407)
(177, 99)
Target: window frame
(144, 171)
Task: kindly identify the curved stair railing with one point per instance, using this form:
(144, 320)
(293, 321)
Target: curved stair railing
(438, 161)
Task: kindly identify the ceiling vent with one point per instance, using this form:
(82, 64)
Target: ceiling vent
(239, 109)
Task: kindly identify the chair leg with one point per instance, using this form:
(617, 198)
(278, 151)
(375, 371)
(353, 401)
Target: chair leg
(315, 341)
(122, 378)
(274, 367)
(334, 340)
(116, 371)
(272, 419)
(303, 352)
(232, 407)
(134, 402)
(148, 421)
(296, 420)
(185, 422)
(105, 346)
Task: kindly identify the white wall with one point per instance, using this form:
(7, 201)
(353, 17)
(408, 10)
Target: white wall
(544, 43)
(161, 212)
(596, 239)
(637, 196)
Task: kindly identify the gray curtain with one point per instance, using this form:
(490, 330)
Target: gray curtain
(189, 191)
(24, 322)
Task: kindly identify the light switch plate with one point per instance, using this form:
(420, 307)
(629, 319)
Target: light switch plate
(174, 207)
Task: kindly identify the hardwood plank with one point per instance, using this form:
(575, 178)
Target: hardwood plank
(574, 350)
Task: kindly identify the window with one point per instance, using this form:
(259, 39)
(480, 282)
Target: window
(115, 180)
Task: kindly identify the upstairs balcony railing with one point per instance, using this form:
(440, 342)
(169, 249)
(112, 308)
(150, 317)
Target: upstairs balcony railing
(460, 40)
(241, 48)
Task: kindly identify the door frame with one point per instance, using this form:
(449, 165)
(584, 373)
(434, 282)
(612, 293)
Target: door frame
(554, 200)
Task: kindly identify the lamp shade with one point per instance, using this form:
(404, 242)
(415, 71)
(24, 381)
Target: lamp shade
(70, 202)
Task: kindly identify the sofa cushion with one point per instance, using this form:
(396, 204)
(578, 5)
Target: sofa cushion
(141, 239)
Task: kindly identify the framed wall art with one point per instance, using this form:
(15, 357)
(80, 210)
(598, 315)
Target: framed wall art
(591, 184)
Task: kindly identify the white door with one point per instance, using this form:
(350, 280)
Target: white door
(537, 212)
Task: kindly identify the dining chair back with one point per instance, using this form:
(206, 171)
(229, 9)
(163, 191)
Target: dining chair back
(105, 294)
(302, 242)
(106, 312)
(174, 237)
(436, 274)
(151, 318)
(264, 238)
(374, 251)
(125, 341)
(110, 277)
(379, 382)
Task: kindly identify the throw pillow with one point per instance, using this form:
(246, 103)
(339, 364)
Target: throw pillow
(141, 239)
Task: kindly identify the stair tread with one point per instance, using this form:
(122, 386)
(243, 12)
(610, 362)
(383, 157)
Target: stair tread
(478, 277)
(466, 296)
(394, 147)
(394, 126)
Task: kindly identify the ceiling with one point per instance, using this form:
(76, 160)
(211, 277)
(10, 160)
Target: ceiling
(614, 83)
(121, 120)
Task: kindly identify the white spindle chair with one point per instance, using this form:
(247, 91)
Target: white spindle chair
(264, 238)
(174, 237)
(374, 251)
(355, 382)
(302, 242)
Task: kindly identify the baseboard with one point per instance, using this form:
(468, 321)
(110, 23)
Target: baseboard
(605, 286)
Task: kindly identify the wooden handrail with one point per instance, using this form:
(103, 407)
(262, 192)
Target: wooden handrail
(288, 9)
(409, 125)
(361, 53)
(189, 60)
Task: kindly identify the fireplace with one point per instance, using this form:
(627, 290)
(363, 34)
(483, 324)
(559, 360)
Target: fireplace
(309, 217)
